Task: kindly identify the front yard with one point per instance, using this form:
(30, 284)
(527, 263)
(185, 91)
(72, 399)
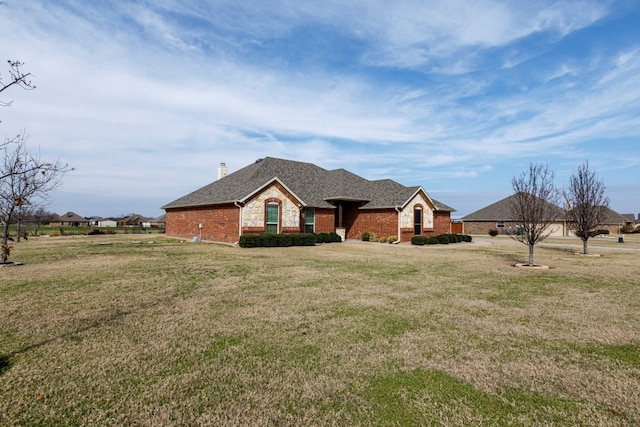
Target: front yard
(144, 330)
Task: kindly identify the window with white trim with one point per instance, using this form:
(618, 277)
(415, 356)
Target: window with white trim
(309, 220)
(273, 214)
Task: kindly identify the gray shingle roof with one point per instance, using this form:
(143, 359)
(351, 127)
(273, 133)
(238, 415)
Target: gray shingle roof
(630, 218)
(313, 185)
(501, 211)
(612, 217)
(70, 217)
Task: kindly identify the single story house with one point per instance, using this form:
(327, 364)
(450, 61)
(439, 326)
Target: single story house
(614, 221)
(102, 222)
(498, 216)
(283, 196)
(70, 219)
(157, 222)
(133, 220)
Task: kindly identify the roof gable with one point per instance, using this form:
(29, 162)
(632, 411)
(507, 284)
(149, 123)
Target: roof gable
(71, 217)
(274, 181)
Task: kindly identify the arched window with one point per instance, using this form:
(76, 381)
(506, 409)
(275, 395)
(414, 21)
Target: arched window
(417, 220)
(273, 216)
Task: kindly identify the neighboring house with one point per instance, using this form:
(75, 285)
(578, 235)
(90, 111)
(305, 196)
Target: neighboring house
(614, 221)
(498, 216)
(630, 219)
(102, 222)
(283, 196)
(133, 220)
(158, 222)
(70, 219)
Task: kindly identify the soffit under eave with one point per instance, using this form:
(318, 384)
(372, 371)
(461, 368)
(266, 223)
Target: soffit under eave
(346, 199)
(199, 205)
(396, 208)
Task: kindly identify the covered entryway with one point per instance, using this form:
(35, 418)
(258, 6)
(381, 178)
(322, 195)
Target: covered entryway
(346, 214)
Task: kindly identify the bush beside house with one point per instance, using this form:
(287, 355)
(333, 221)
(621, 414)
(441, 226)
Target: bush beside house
(265, 240)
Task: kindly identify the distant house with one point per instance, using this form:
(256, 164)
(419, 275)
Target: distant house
(615, 221)
(70, 219)
(133, 220)
(284, 196)
(158, 222)
(630, 219)
(102, 222)
(498, 216)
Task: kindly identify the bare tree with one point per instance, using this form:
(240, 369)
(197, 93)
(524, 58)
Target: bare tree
(534, 205)
(24, 177)
(587, 204)
(38, 216)
(16, 78)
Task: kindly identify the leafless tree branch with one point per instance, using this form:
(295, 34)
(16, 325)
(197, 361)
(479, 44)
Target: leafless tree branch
(587, 204)
(24, 177)
(16, 78)
(534, 205)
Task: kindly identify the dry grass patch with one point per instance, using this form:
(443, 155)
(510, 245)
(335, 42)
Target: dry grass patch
(171, 333)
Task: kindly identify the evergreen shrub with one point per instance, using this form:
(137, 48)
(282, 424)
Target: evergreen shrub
(268, 240)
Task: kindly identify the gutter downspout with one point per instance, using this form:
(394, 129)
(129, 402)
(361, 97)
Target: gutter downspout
(239, 206)
(398, 209)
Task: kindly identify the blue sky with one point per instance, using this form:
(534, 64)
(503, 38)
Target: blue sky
(145, 98)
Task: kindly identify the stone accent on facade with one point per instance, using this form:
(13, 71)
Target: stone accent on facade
(406, 217)
(253, 212)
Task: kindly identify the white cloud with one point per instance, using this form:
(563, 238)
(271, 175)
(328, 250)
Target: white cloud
(163, 91)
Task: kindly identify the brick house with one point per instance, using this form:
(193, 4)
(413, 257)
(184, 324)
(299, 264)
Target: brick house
(498, 216)
(613, 221)
(69, 219)
(284, 196)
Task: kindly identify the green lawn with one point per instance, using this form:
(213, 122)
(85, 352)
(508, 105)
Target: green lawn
(144, 330)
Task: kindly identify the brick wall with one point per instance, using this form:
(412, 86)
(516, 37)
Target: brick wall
(219, 224)
(613, 228)
(483, 227)
(325, 220)
(406, 234)
(479, 227)
(441, 223)
(383, 222)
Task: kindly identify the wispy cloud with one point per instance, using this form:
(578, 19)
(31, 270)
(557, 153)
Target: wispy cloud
(134, 94)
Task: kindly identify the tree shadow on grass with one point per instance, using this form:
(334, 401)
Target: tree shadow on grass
(5, 363)
(561, 249)
(511, 257)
